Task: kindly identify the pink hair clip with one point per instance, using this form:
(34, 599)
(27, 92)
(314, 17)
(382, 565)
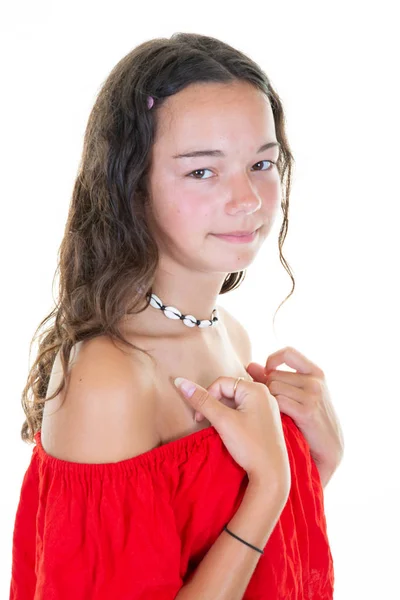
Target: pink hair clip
(150, 101)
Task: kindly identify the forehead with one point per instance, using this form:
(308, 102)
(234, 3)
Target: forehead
(216, 111)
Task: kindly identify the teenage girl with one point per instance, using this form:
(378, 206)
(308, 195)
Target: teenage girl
(128, 496)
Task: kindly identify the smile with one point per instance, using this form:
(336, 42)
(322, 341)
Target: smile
(237, 239)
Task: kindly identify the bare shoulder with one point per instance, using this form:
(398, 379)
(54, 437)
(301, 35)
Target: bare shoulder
(238, 335)
(108, 406)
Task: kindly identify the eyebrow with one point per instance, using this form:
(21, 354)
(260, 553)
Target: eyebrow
(220, 153)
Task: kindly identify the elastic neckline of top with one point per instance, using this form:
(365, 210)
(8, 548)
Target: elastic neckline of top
(150, 457)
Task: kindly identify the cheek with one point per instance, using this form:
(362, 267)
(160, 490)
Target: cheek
(272, 196)
(187, 212)
(183, 221)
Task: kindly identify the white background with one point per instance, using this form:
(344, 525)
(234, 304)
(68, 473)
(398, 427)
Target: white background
(336, 69)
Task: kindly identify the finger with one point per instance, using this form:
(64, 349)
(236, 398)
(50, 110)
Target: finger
(223, 389)
(201, 400)
(208, 402)
(293, 359)
(256, 371)
(296, 380)
(229, 402)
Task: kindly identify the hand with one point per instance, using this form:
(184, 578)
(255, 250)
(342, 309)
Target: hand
(304, 396)
(251, 430)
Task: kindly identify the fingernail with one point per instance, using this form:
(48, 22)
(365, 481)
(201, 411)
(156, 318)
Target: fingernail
(187, 387)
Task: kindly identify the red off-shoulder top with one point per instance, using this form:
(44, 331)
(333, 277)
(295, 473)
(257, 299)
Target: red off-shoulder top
(136, 529)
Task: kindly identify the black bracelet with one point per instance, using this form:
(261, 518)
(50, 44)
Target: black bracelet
(240, 539)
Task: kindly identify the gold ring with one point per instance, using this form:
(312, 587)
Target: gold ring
(236, 384)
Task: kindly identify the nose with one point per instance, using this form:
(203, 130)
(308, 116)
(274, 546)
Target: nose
(244, 199)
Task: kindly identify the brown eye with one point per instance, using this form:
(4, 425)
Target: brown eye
(265, 161)
(192, 174)
(198, 171)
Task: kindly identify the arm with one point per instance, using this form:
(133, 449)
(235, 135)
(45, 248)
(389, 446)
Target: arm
(87, 524)
(226, 569)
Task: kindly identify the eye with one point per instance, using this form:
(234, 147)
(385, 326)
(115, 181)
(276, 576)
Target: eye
(259, 163)
(198, 171)
(271, 162)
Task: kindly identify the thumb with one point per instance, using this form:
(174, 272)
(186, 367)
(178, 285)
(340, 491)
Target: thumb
(200, 399)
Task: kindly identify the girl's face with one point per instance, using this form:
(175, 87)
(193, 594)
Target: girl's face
(235, 188)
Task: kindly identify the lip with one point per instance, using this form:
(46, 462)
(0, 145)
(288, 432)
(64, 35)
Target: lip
(238, 232)
(237, 239)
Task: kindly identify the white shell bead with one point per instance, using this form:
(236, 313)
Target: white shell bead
(205, 323)
(155, 301)
(172, 313)
(190, 320)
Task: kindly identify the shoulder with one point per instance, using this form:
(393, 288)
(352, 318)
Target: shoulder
(108, 406)
(239, 337)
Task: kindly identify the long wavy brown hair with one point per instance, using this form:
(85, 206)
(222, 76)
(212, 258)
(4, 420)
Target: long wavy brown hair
(107, 258)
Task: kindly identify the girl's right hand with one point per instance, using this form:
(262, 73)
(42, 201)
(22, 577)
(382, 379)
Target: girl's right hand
(251, 431)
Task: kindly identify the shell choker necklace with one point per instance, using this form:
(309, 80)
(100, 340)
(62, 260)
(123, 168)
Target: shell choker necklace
(189, 320)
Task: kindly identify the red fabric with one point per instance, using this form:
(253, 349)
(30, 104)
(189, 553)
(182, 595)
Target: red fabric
(136, 529)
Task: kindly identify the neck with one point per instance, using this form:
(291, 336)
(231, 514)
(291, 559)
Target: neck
(190, 291)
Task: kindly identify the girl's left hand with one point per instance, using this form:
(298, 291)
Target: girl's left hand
(304, 396)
